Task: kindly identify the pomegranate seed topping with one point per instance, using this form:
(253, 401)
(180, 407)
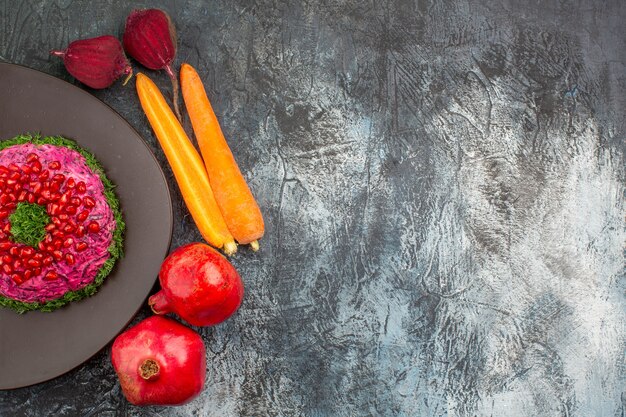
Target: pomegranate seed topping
(44, 175)
(68, 242)
(58, 255)
(14, 251)
(34, 263)
(11, 183)
(55, 187)
(82, 216)
(7, 228)
(27, 252)
(55, 196)
(7, 259)
(31, 157)
(28, 273)
(48, 238)
(56, 221)
(71, 183)
(57, 243)
(30, 198)
(4, 198)
(17, 186)
(69, 259)
(70, 209)
(58, 233)
(7, 268)
(81, 246)
(51, 276)
(26, 169)
(22, 196)
(54, 165)
(17, 264)
(68, 228)
(49, 248)
(65, 197)
(41, 201)
(5, 245)
(76, 201)
(47, 261)
(58, 177)
(14, 167)
(80, 231)
(53, 209)
(3, 183)
(89, 202)
(15, 176)
(81, 187)
(17, 278)
(38, 256)
(63, 217)
(36, 166)
(4, 214)
(93, 227)
(50, 226)
(37, 188)
(46, 194)
(41, 245)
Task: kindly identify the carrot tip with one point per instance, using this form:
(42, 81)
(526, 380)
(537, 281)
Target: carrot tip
(254, 245)
(230, 248)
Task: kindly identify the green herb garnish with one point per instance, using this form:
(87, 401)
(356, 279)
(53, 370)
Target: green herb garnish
(28, 223)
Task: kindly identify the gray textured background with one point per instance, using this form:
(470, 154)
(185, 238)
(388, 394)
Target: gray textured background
(442, 183)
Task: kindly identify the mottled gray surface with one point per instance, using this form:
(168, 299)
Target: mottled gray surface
(442, 183)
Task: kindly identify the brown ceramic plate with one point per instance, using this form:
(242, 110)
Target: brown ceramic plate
(35, 347)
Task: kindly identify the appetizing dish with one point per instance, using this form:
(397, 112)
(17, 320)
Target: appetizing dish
(60, 223)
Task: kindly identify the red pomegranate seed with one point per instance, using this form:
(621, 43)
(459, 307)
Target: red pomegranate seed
(50, 227)
(17, 278)
(14, 251)
(17, 187)
(36, 166)
(58, 255)
(26, 169)
(4, 214)
(89, 202)
(37, 188)
(11, 183)
(63, 216)
(56, 221)
(41, 245)
(17, 264)
(81, 187)
(25, 178)
(46, 194)
(68, 242)
(27, 252)
(70, 209)
(13, 167)
(44, 175)
(34, 263)
(69, 259)
(51, 276)
(7, 259)
(80, 230)
(3, 183)
(57, 243)
(5, 245)
(31, 157)
(53, 209)
(47, 261)
(65, 197)
(55, 187)
(37, 271)
(4, 198)
(41, 201)
(22, 196)
(30, 198)
(81, 246)
(48, 238)
(4, 171)
(93, 227)
(58, 233)
(38, 256)
(7, 268)
(76, 201)
(69, 229)
(55, 196)
(6, 228)
(58, 177)
(49, 248)
(82, 216)
(15, 176)
(71, 183)
(28, 274)
(54, 165)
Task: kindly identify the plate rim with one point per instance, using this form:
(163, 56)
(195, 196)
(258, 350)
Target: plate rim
(169, 203)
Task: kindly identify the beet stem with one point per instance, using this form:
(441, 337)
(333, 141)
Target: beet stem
(175, 89)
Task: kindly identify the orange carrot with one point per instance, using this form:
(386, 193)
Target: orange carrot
(187, 166)
(240, 210)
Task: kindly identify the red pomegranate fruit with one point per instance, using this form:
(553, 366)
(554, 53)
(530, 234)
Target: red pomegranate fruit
(159, 362)
(199, 285)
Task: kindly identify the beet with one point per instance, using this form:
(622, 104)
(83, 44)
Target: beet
(150, 38)
(96, 62)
